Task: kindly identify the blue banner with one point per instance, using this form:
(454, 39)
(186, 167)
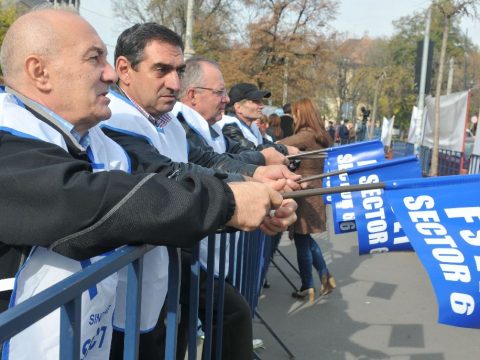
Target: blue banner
(345, 157)
(441, 217)
(378, 229)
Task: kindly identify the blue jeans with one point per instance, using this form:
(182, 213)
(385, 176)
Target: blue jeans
(308, 254)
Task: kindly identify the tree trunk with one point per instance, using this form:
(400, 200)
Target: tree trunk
(436, 128)
(375, 105)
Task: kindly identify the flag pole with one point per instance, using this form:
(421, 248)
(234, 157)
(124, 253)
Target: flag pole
(306, 153)
(321, 176)
(332, 190)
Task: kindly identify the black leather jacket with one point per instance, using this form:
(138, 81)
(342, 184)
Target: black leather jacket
(233, 132)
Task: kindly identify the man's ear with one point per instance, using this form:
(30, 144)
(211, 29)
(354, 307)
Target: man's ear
(191, 95)
(37, 72)
(123, 69)
(237, 107)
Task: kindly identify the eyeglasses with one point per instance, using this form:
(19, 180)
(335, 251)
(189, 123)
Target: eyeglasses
(221, 92)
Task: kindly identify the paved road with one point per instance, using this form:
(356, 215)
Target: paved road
(383, 308)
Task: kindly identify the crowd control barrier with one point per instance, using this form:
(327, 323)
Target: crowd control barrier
(474, 164)
(449, 162)
(248, 258)
(402, 149)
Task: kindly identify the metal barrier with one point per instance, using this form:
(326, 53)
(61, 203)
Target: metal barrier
(401, 149)
(425, 156)
(248, 260)
(449, 162)
(248, 255)
(66, 295)
(474, 164)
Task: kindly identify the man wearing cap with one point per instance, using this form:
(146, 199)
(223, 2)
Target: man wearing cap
(246, 101)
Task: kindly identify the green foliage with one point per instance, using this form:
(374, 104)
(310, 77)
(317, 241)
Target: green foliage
(8, 14)
(277, 42)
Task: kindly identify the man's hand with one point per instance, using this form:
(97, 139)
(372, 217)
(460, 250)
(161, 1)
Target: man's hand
(292, 150)
(253, 202)
(278, 177)
(274, 157)
(282, 218)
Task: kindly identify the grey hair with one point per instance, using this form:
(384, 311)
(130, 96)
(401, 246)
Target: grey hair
(193, 75)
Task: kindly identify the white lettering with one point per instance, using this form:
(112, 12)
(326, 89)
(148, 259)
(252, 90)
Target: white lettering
(470, 237)
(448, 255)
(462, 304)
(468, 213)
(416, 203)
(377, 238)
(453, 272)
(425, 228)
(424, 215)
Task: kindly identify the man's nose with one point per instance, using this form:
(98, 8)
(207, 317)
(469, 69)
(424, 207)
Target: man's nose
(109, 75)
(173, 81)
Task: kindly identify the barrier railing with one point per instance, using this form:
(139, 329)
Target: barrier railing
(474, 164)
(449, 162)
(402, 149)
(248, 259)
(66, 295)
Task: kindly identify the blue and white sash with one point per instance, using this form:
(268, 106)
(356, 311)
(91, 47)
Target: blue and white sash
(44, 268)
(170, 141)
(251, 133)
(200, 126)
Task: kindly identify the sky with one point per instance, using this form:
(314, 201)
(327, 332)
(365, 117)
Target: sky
(355, 17)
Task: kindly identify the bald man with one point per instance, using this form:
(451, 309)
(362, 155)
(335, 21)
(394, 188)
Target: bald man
(67, 197)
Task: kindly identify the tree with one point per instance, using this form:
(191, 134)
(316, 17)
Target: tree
(8, 14)
(212, 25)
(449, 9)
(282, 46)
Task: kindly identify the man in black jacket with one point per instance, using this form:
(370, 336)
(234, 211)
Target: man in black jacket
(56, 64)
(246, 102)
(203, 90)
(149, 63)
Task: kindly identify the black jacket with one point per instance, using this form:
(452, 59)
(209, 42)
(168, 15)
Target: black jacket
(146, 158)
(234, 150)
(233, 132)
(53, 199)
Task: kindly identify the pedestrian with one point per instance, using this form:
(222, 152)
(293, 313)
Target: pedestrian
(310, 134)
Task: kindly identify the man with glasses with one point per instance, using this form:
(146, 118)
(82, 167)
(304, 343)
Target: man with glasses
(203, 100)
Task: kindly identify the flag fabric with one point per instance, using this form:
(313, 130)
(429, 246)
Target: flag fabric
(453, 117)
(387, 130)
(412, 136)
(377, 227)
(441, 217)
(346, 157)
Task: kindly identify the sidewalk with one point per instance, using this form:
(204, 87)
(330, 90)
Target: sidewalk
(383, 308)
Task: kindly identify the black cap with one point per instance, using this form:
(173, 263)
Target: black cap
(244, 91)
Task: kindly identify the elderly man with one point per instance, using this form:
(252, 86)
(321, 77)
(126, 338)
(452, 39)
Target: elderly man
(246, 102)
(203, 99)
(203, 90)
(59, 194)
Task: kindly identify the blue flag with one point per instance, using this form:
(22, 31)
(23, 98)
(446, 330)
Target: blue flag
(441, 217)
(378, 229)
(346, 157)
